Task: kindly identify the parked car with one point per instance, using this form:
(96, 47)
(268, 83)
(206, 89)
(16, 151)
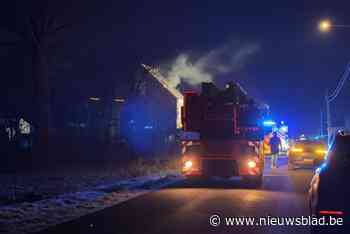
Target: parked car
(329, 193)
(306, 153)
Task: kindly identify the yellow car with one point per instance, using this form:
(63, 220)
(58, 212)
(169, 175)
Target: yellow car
(306, 153)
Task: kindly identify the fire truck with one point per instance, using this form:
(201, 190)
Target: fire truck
(222, 134)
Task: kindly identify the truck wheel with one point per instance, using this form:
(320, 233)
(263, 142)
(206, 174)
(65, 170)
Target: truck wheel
(253, 181)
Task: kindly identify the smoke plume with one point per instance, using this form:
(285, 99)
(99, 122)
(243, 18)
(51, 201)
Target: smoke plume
(226, 59)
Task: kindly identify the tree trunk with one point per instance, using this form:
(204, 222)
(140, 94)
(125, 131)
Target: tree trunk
(41, 101)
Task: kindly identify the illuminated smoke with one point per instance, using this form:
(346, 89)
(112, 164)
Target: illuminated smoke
(227, 59)
(191, 73)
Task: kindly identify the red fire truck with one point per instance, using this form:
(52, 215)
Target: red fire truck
(222, 134)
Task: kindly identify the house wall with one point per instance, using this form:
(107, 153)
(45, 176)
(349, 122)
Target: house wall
(149, 119)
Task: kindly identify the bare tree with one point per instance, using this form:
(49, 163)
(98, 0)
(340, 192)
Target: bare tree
(40, 27)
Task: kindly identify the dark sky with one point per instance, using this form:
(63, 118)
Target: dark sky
(108, 39)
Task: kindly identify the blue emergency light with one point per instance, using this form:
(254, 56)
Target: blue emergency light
(269, 123)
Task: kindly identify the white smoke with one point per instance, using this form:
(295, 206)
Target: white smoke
(227, 59)
(190, 73)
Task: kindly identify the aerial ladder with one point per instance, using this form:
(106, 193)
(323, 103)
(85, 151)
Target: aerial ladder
(155, 73)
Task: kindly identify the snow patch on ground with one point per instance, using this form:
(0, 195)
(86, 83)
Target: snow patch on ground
(35, 216)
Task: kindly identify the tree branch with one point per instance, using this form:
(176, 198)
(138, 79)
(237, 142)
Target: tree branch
(60, 28)
(8, 43)
(33, 32)
(45, 19)
(11, 31)
(49, 23)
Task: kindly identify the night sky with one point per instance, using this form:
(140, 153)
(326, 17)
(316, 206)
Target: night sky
(107, 40)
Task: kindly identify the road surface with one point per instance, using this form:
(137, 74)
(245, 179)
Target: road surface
(185, 207)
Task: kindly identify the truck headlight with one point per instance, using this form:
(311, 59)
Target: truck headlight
(188, 164)
(251, 164)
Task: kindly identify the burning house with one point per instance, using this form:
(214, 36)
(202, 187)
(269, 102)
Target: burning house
(152, 115)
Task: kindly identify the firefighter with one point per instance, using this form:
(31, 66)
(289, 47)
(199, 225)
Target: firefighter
(275, 144)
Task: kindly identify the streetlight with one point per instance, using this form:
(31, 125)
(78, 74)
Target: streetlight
(325, 26)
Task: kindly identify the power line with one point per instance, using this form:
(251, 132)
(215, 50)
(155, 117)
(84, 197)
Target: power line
(332, 97)
(340, 85)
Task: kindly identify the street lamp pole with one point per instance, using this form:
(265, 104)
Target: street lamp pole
(329, 97)
(321, 123)
(325, 26)
(328, 114)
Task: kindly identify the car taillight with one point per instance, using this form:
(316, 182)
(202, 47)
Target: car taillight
(330, 212)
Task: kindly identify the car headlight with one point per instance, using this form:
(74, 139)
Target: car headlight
(321, 151)
(297, 150)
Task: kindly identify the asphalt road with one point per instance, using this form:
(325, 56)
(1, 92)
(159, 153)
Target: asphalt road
(185, 207)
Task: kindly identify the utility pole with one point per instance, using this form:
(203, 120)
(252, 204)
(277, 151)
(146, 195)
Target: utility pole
(321, 123)
(329, 97)
(328, 113)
